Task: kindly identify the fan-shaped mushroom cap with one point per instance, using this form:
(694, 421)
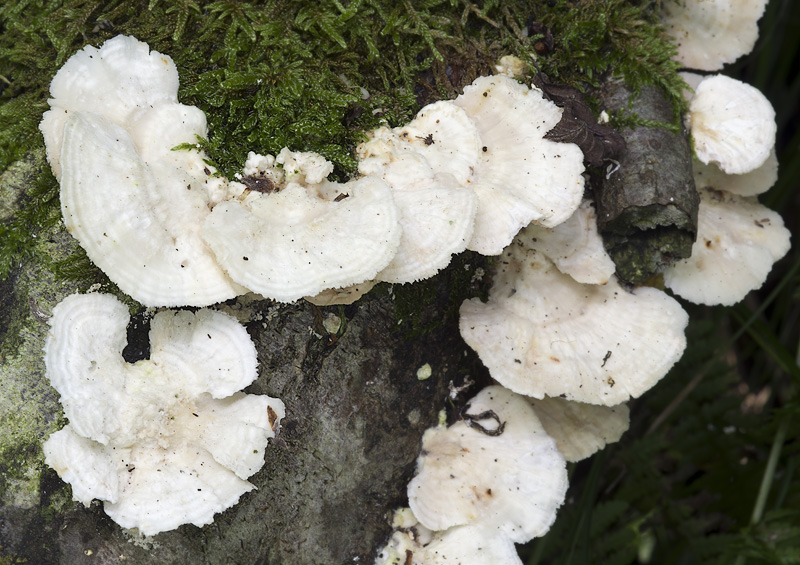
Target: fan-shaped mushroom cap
(305, 238)
(581, 429)
(574, 246)
(138, 221)
(753, 183)
(502, 473)
(437, 221)
(165, 441)
(427, 164)
(132, 203)
(521, 177)
(544, 334)
(732, 124)
(738, 241)
(710, 33)
(118, 80)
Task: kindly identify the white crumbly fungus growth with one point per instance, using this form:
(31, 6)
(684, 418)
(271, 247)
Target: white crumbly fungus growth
(306, 234)
(544, 334)
(511, 66)
(134, 205)
(521, 177)
(464, 472)
(732, 124)
(575, 246)
(710, 33)
(581, 429)
(412, 543)
(165, 441)
(424, 372)
(738, 241)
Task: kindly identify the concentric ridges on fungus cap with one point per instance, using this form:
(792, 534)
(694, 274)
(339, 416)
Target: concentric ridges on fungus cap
(732, 124)
(206, 351)
(84, 464)
(437, 221)
(239, 420)
(427, 165)
(139, 224)
(575, 246)
(446, 137)
(167, 489)
(738, 241)
(116, 80)
(464, 473)
(83, 356)
(167, 452)
(710, 33)
(521, 177)
(544, 334)
(302, 240)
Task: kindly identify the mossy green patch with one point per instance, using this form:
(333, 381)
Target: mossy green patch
(312, 76)
(595, 38)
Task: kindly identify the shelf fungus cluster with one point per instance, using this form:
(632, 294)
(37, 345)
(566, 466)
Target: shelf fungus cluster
(543, 333)
(165, 441)
(492, 479)
(732, 127)
(170, 232)
(169, 440)
(711, 33)
(733, 131)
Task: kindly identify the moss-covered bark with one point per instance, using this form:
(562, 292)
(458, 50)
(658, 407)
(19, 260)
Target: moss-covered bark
(355, 413)
(647, 202)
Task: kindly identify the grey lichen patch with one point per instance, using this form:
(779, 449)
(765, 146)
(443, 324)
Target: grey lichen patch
(29, 407)
(14, 179)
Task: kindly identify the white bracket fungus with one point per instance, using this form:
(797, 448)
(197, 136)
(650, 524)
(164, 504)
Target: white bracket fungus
(732, 124)
(710, 33)
(738, 241)
(308, 235)
(131, 202)
(490, 140)
(496, 469)
(544, 334)
(412, 543)
(521, 177)
(753, 183)
(575, 246)
(165, 441)
(581, 429)
(427, 164)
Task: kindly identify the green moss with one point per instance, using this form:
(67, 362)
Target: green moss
(312, 76)
(35, 187)
(419, 305)
(595, 38)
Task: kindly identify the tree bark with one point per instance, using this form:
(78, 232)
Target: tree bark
(647, 206)
(355, 412)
